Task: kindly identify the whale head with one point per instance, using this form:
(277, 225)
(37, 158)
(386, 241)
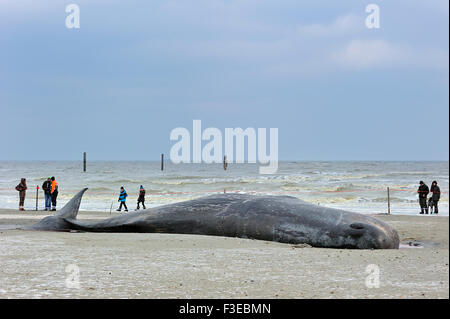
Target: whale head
(321, 226)
(371, 234)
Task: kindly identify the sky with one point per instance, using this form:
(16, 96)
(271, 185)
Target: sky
(135, 70)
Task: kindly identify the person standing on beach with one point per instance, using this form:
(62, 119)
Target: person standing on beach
(141, 198)
(435, 197)
(54, 192)
(122, 199)
(47, 188)
(22, 189)
(423, 193)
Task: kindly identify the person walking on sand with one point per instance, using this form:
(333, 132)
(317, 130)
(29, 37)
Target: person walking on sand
(47, 188)
(423, 193)
(22, 189)
(435, 197)
(141, 198)
(54, 192)
(122, 199)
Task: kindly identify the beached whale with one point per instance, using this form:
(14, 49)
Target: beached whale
(282, 219)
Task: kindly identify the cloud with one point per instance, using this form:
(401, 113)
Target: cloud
(369, 53)
(256, 41)
(295, 49)
(363, 54)
(343, 25)
(245, 33)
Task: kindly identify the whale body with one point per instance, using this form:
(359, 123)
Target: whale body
(283, 219)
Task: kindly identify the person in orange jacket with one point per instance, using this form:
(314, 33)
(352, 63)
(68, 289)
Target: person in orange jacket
(54, 192)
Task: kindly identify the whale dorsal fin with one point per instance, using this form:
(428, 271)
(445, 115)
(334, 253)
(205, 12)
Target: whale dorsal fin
(70, 210)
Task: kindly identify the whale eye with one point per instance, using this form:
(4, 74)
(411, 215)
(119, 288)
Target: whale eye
(357, 226)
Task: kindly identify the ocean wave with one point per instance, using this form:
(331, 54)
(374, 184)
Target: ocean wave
(120, 182)
(392, 199)
(183, 177)
(100, 189)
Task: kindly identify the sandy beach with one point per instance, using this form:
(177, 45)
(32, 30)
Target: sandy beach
(34, 264)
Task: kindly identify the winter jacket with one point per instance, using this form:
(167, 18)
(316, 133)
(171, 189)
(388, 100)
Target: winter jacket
(436, 193)
(54, 187)
(22, 187)
(141, 195)
(123, 196)
(423, 191)
(47, 187)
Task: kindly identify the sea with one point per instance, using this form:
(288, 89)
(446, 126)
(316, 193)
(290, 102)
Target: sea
(359, 186)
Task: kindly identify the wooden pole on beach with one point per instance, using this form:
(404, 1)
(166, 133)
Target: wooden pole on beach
(37, 196)
(162, 161)
(389, 201)
(84, 162)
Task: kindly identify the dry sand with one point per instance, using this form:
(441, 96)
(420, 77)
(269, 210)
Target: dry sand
(33, 264)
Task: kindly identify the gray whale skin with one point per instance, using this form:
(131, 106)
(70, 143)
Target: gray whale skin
(283, 219)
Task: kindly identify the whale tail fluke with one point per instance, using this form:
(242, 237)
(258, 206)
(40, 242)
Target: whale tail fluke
(70, 210)
(59, 221)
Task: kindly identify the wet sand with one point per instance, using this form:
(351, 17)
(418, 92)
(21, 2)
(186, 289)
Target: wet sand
(33, 264)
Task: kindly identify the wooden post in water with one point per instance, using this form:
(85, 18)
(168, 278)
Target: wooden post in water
(225, 164)
(84, 162)
(162, 161)
(389, 201)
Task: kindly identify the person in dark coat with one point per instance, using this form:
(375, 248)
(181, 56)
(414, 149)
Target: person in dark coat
(141, 198)
(423, 193)
(22, 189)
(435, 197)
(122, 199)
(47, 188)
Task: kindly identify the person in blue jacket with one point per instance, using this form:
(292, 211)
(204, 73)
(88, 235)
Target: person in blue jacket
(122, 199)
